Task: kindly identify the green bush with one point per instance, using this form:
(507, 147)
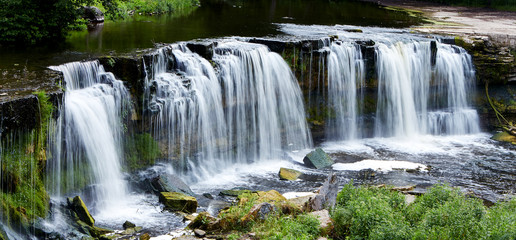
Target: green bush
(369, 213)
(500, 220)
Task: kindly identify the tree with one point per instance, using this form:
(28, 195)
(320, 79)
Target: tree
(29, 22)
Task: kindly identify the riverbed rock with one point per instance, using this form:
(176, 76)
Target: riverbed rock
(78, 206)
(175, 201)
(170, 183)
(204, 49)
(93, 14)
(199, 233)
(318, 159)
(289, 174)
(202, 221)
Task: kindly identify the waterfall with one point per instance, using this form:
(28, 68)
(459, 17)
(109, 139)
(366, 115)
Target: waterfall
(416, 98)
(247, 108)
(345, 79)
(86, 145)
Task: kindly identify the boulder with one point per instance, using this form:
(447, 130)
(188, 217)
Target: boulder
(204, 49)
(289, 174)
(78, 206)
(170, 183)
(128, 224)
(202, 221)
(93, 14)
(175, 201)
(259, 211)
(318, 159)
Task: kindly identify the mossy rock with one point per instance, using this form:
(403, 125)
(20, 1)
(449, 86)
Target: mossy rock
(504, 137)
(175, 201)
(81, 210)
(261, 196)
(289, 174)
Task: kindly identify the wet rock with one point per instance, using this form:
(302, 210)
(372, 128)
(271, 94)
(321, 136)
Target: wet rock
(259, 211)
(129, 231)
(215, 206)
(357, 30)
(170, 183)
(318, 159)
(93, 14)
(128, 224)
(207, 195)
(190, 217)
(199, 233)
(175, 201)
(289, 174)
(204, 49)
(273, 45)
(325, 223)
(78, 206)
(234, 192)
(327, 196)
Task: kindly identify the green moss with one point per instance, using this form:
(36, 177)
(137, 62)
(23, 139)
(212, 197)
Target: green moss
(141, 150)
(28, 199)
(45, 113)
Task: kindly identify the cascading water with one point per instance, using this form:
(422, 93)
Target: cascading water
(252, 109)
(345, 90)
(416, 98)
(86, 147)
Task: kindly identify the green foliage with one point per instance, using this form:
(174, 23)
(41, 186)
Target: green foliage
(28, 22)
(45, 113)
(363, 213)
(441, 213)
(279, 226)
(500, 220)
(141, 150)
(119, 9)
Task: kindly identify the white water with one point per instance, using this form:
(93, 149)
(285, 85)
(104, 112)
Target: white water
(250, 110)
(345, 81)
(415, 98)
(86, 147)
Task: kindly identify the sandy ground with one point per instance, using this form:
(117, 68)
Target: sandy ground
(499, 26)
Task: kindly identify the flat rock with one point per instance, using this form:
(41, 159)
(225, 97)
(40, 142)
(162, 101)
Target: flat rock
(289, 174)
(318, 159)
(170, 183)
(175, 201)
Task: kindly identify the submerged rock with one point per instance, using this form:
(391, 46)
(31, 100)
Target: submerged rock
(81, 210)
(289, 174)
(318, 159)
(175, 201)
